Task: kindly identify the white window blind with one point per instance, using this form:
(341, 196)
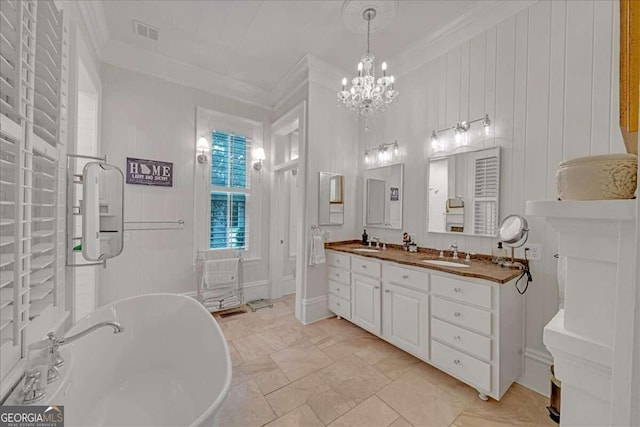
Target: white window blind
(230, 191)
(485, 210)
(32, 209)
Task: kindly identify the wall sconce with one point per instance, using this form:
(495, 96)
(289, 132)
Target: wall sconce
(259, 156)
(202, 146)
(462, 128)
(385, 152)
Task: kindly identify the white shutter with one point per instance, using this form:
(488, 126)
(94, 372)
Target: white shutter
(32, 205)
(485, 195)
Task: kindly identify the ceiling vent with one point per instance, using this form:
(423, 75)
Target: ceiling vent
(145, 30)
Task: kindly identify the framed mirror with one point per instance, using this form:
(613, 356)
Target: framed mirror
(463, 193)
(331, 199)
(383, 192)
(102, 211)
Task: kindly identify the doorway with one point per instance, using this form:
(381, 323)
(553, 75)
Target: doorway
(287, 206)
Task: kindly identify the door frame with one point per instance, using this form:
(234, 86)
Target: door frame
(285, 124)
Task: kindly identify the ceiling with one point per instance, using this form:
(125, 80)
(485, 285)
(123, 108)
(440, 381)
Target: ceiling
(258, 42)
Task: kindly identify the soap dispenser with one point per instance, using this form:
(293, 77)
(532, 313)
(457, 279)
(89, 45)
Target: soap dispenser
(499, 254)
(365, 238)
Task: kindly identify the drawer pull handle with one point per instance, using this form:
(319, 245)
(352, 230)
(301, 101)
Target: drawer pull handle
(458, 290)
(337, 274)
(457, 314)
(364, 266)
(457, 338)
(405, 276)
(387, 290)
(338, 289)
(337, 261)
(376, 287)
(338, 304)
(457, 362)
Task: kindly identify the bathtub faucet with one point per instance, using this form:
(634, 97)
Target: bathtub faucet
(55, 343)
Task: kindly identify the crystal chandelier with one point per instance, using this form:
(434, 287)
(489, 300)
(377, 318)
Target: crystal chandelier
(368, 96)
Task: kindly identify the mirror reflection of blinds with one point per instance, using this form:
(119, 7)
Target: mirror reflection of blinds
(229, 227)
(486, 195)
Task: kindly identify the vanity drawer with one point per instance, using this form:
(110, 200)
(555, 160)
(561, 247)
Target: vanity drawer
(338, 275)
(365, 267)
(465, 367)
(469, 317)
(461, 338)
(339, 260)
(418, 280)
(472, 293)
(340, 290)
(340, 306)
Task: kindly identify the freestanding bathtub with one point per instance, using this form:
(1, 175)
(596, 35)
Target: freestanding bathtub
(170, 366)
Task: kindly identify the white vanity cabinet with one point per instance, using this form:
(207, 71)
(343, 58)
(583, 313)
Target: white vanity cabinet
(405, 309)
(468, 327)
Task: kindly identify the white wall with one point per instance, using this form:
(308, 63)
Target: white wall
(150, 118)
(333, 147)
(548, 79)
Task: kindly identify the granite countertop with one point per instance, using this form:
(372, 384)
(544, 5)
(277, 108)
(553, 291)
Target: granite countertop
(480, 267)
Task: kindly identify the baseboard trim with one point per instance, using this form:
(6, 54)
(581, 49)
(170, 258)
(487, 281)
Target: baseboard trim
(314, 309)
(537, 367)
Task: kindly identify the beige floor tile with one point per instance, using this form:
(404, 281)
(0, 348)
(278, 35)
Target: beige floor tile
(518, 407)
(234, 329)
(271, 381)
(401, 422)
(245, 406)
(250, 370)
(329, 405)
(254, 346)
(354, 379)
(446, 382)
(379, 351)
(348, 347)
(394, 365)
(373, 412)
(300, 360)
(302, 416)
(295, 394)
(236, 360)
(420, 402)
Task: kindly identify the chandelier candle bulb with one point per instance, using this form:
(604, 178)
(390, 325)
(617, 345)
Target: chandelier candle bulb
(384, 69)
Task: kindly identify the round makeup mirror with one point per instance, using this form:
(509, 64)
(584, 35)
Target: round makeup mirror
(513, 229)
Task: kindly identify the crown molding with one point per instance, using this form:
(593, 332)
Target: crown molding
(145, 61)
(95, 22)
(295, 78)
(478, 18)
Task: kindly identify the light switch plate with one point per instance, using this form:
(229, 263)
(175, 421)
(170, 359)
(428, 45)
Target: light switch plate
(534, 252)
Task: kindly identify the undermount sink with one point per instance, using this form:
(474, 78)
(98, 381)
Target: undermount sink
(366, 250)
(444, 263)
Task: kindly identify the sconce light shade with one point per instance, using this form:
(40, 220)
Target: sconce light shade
(202, 146)
(259, 155)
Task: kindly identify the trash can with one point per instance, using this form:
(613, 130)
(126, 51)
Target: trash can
(554, 400)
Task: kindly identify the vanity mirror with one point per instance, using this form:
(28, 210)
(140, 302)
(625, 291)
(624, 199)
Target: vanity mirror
(102, 211)
(463, 193)
(331, 199)
(382, 205)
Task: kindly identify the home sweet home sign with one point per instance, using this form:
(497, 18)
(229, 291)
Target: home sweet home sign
(149, 172)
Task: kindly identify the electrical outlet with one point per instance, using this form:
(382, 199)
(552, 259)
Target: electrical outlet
(534, 252)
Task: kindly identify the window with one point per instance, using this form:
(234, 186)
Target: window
(229, 192)
(485, 220)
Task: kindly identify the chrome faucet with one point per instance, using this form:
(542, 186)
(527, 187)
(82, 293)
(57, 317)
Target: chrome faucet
(454, 246)
(377, 239)
(46, 358)
(55, 343)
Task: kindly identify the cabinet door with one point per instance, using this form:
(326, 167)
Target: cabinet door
(406, 319)
(365, 303)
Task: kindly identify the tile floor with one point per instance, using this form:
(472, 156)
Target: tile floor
(332, 373)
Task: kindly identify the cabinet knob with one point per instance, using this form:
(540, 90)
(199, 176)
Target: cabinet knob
(457, 338)
(364, 266)
(376, 287)
(338, 304)
(405, 276)
(457, 290)
(387, 290)
(457, 362)
(337, 289)
(457, 314)
(337, 261)
(337, 274)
